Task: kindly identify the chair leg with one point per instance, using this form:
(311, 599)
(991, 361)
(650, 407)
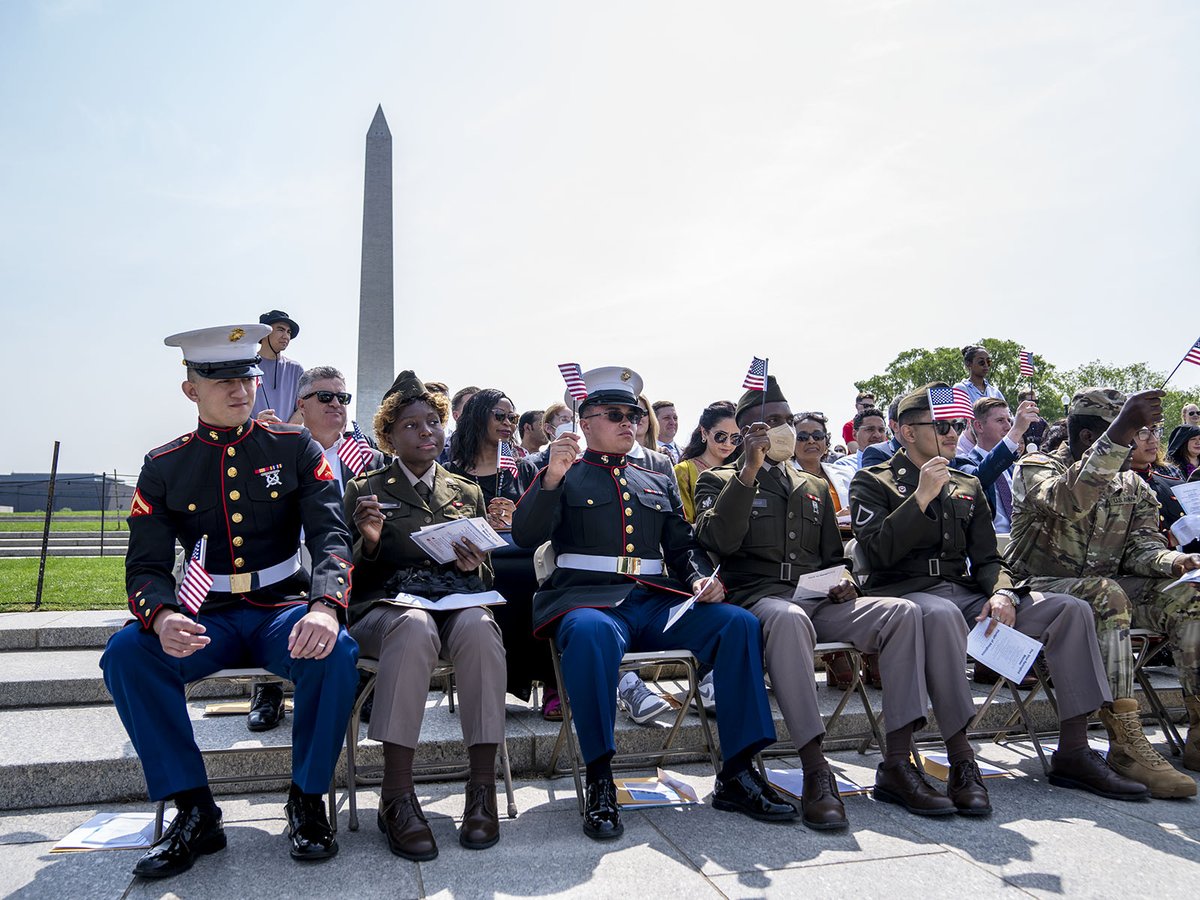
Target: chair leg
(566, 732)
(705, 728)
(333, 816)
(508, 782)
(160, 809)
(352, 728)
(1147, 648)
(1027, 720)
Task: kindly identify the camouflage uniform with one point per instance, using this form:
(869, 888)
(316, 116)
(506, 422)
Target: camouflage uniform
(1090, 529)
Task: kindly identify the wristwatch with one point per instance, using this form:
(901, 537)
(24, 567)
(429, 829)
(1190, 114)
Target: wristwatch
(1013, 597)
(334, 606)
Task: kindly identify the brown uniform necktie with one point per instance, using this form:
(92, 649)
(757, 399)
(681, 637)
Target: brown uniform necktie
(423, 491)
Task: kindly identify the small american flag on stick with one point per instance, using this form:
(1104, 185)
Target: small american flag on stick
(354, 450)
(196, 580)
(756, 377)
(573, 376)
(949, 403)
(1193, 354)
(1026, 363)
(506, 460)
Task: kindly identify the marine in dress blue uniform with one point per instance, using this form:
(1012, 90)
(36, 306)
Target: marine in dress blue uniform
(624, 556)
(249, 488)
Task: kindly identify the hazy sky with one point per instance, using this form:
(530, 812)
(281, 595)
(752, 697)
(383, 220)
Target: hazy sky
(674, 187)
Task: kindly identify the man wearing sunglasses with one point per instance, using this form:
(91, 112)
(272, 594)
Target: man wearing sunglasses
(770, 524)
(925, 533)
(1084, 523)
(625, 556)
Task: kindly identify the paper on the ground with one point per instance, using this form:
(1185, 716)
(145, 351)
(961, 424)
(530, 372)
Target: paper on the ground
(1186, 529)
(791, 782)
(438, 540)
(113, 831)
(818, 584)
(938, 765)
(661, 790)
(1006, 651)
(236, 707)
(451, 601)
(1193, 575)
(1188, 496)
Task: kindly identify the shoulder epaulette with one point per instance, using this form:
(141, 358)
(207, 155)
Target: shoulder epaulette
(181, 441)
(281, 428)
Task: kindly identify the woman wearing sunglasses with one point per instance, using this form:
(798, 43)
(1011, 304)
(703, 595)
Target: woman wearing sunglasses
(715, 442)
(812, 446)
(489, 419)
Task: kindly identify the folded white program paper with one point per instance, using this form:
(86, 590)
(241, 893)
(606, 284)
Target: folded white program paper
(113, 831)
(438, 540)
(451, 601)
(1188, 496)
(1006, 650)
(814, 585)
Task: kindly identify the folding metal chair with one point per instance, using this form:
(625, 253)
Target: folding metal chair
(1146, 644)
(430, 772)
(631, 662)
(1021, 713)
(242, 676)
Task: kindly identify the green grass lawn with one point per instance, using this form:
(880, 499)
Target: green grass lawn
(114, 520)
(71, 583)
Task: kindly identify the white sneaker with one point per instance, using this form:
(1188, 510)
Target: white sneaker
(639, 702)
(706, 694)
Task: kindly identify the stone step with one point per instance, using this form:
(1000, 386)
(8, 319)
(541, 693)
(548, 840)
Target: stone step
(35, 552)
(59, 630)
(81, 754)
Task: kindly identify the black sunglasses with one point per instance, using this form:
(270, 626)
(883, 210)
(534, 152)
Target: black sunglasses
(616, 416)
(327, 397)
(818, 436)
(943, 426)
(725, 437)
(501, 416)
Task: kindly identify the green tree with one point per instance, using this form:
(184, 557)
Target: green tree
(919, 366)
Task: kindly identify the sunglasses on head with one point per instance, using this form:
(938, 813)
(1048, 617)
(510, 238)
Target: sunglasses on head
(725, 437)
(617, 416)
(818, 436)
(327, 397)
(943, 426)
(501, 416)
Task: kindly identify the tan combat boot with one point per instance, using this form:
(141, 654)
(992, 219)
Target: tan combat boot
(1191, 750)
(1130, 754)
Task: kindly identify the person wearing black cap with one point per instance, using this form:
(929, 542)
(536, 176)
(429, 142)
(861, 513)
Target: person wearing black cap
(1183, 449)
(279, 384)
(625, 556)
(248, 488)
(925, 532)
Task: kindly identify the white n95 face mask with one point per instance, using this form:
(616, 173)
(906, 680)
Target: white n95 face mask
(783, 442)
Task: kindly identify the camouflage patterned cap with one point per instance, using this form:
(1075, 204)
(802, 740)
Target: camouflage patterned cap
(1103, 403)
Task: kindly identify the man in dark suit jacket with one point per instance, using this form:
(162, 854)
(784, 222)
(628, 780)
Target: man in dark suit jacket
(322, 401)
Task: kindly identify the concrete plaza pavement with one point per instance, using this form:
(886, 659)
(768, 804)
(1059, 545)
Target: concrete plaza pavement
(1041, 841)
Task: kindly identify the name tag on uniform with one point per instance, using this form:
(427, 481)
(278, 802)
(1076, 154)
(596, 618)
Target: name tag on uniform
(759, 502)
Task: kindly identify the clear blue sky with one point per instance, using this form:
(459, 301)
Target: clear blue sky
(670, 186)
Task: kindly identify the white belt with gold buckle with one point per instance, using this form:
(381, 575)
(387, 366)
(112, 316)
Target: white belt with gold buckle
(620, 565)
(244, 582)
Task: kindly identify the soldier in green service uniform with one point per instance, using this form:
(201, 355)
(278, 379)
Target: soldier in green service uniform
(1083, 523)
(925, 531)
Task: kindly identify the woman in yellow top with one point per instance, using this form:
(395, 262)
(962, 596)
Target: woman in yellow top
(715, 441)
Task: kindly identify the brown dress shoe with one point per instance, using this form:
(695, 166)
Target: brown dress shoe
(820, 802)
(965, 789)
(902, 784)
(407, 831)
(481, 824)
(1087, 771)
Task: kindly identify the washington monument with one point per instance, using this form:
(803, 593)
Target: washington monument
(376, 316)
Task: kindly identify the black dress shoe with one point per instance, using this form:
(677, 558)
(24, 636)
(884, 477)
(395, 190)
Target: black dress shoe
(407, 830)
(966, 791)
(903, 785)
(747, 793)
(266, 707)
(1087, 770)
(601, 814)
(481, 823)
(193, 832)
(821, 804)
(308, 828)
